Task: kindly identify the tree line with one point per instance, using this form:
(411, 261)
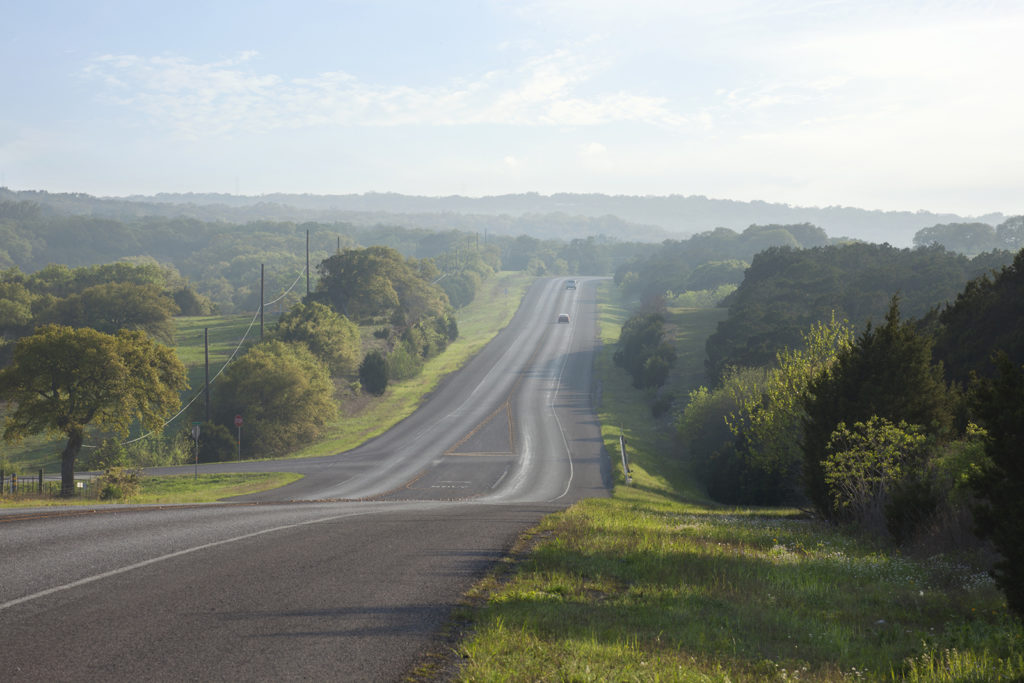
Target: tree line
(67, 377)
(905, 427)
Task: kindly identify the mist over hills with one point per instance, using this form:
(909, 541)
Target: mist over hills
(566, 216)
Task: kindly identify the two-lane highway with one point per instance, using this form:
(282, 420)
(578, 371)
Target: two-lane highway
(346, 574)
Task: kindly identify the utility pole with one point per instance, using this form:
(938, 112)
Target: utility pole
(307, 262)
(206, 353)
(261, 302)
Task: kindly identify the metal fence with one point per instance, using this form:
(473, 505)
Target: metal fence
(41, 485)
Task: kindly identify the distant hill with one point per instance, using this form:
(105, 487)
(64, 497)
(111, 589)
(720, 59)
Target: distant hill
(628, 218)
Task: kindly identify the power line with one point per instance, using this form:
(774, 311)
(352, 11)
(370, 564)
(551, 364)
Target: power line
(234, 353)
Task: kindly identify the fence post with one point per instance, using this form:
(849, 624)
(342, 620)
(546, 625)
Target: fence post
(3, 480)
(40, 481)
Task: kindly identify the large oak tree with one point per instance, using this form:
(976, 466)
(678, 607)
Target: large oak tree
(63, 380)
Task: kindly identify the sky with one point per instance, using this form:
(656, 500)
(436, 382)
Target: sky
(878, 105)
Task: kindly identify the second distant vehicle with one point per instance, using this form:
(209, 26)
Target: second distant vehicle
(570, 284)
(563, 317)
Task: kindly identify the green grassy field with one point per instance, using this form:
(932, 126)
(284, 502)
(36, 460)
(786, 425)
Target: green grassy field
(658, 583)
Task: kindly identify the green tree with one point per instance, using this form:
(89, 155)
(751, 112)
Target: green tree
(378, 282)
(769, 423)
(987, 316)
(999, 404)
(62, 380)
(332, 338)
(15, 305)
(785, 290)
(373, 373)
(865, 461)
(284, 392)
(117, 306)
(190, 302)
(708, 442)
(889, 373)
(966, 238)
(643, 352)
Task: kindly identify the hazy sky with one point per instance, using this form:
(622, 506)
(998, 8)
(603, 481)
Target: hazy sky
(888, 105)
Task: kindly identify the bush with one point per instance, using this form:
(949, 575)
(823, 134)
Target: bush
(285, 394)
(863, 464)
(641, 351)
(110, 453)
(373, 373)
(119, 483)
(402, 363)
(216, 443)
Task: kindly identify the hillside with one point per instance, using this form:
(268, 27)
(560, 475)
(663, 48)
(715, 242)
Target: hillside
(631, 218)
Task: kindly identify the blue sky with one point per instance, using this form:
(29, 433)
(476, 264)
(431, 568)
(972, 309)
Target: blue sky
(881, 105)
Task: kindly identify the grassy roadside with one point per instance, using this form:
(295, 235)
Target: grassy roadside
(659, 584)
(206, 488)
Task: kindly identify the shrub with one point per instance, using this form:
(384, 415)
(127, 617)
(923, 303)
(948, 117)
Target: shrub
(216, 443)
(373, 373)
(402, 363)
(285, 394)
(641, 351)
(865, 461)
(110, 453)
(119, 483)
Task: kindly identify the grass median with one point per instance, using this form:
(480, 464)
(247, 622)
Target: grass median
(657, 583)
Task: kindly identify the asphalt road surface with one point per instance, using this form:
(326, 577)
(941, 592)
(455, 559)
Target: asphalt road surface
(347, 574)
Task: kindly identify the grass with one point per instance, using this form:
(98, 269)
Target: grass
(657, 583)
(206, 488)
(225, 333)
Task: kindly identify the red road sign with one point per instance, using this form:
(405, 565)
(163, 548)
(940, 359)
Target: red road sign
(238, 420)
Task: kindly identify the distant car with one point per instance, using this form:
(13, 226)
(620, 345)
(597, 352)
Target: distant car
(563, 317)
(570, 284)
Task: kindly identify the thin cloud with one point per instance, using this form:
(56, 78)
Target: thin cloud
(195, 99)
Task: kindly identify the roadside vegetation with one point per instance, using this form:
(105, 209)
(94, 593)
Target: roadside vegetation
(659, 582)
(230, 337)
(132, 488)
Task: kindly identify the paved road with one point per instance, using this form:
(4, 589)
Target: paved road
(346, 574)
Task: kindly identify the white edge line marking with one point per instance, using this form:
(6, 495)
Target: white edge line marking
(169, 556)
(554, 413)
